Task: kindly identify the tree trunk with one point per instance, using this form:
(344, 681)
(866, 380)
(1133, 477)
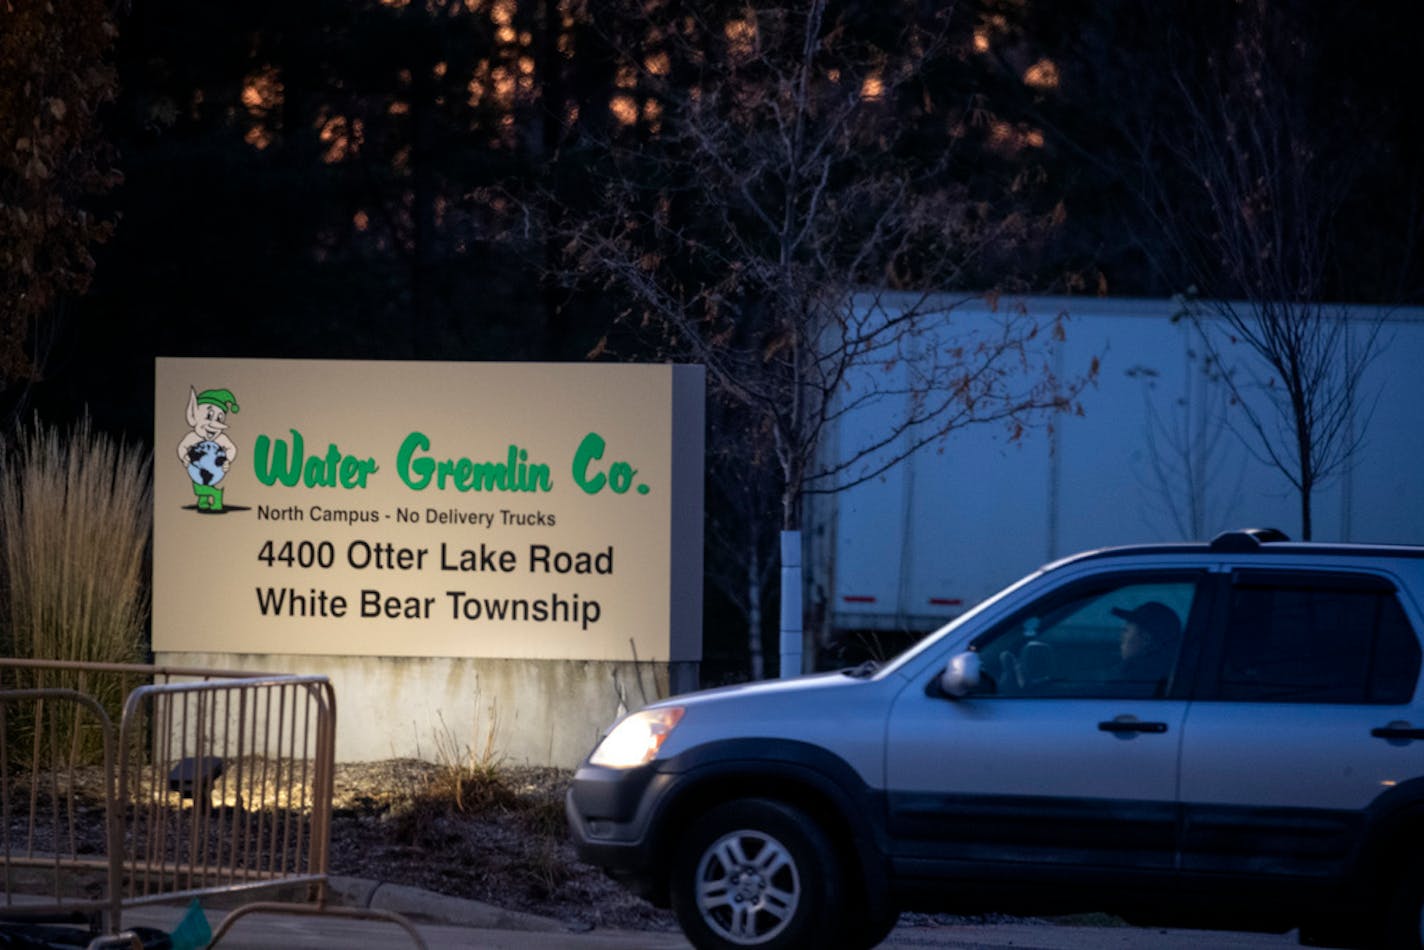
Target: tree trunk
(1305, 449)
(543, 152)
(429, 340)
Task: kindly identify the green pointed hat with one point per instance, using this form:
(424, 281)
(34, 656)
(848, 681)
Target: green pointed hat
(222, 398)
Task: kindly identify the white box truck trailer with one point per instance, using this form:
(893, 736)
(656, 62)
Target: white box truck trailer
(1158, 453)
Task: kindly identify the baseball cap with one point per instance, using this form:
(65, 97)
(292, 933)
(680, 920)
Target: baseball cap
(1154, 617)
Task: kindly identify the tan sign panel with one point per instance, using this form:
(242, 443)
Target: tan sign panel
(428, 509)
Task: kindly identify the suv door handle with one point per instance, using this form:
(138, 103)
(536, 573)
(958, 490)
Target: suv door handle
(1397, 730)
(1131, 725)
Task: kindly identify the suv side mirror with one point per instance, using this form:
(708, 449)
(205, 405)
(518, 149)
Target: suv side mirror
(961, 675)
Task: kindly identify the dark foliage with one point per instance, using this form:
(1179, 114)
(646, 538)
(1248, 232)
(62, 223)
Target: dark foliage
(388, 180)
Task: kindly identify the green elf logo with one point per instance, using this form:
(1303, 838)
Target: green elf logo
(206, 452)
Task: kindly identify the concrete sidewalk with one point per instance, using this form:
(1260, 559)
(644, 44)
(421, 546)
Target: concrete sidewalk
(443, 922)
(447, 923)
(265, 932)
(262, 931)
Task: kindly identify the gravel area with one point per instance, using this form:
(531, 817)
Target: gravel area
(491, 833)
(399, 821)
(497, 835)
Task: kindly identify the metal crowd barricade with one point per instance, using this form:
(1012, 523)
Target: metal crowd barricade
(213, 784)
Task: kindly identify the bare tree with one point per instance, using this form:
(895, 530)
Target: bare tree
(770, 188)
(743, 520)
(1193, 477)
(1300, 403)
(1243, 148)
(1247, 188)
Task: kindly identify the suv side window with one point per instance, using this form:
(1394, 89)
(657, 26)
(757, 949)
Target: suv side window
(1316, 638)
(1112, 638)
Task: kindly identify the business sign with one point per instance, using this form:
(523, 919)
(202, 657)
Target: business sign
(428, 509)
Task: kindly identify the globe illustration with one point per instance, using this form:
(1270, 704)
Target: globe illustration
(205, 463)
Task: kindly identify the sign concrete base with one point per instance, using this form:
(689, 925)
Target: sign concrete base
(513, 711)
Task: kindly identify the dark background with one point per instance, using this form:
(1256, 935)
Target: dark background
(353, 179)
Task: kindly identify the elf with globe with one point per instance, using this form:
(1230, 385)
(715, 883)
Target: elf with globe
(206, 452)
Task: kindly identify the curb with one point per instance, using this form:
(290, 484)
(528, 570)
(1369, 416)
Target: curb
(418, 904)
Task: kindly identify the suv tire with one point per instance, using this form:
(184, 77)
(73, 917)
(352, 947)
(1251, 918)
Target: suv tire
(1404, 922)
(756, 873)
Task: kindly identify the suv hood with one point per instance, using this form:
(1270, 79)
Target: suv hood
(779, 691)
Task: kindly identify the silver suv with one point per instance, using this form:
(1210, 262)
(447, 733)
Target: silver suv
(1218, 735)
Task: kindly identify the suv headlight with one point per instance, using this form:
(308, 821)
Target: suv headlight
(637, 738)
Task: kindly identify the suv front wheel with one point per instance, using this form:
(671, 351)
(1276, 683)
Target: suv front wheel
(755, 873)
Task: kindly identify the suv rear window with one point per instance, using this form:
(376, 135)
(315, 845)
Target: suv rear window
(1316, 638)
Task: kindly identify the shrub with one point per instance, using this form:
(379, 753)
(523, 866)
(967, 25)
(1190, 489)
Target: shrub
(75, 516)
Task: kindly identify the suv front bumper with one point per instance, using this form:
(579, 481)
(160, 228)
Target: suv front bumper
(611, 816)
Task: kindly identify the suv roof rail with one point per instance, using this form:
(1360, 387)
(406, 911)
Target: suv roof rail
(1246, 539)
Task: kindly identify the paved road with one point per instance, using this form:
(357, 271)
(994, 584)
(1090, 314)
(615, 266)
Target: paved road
(1048, 937)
